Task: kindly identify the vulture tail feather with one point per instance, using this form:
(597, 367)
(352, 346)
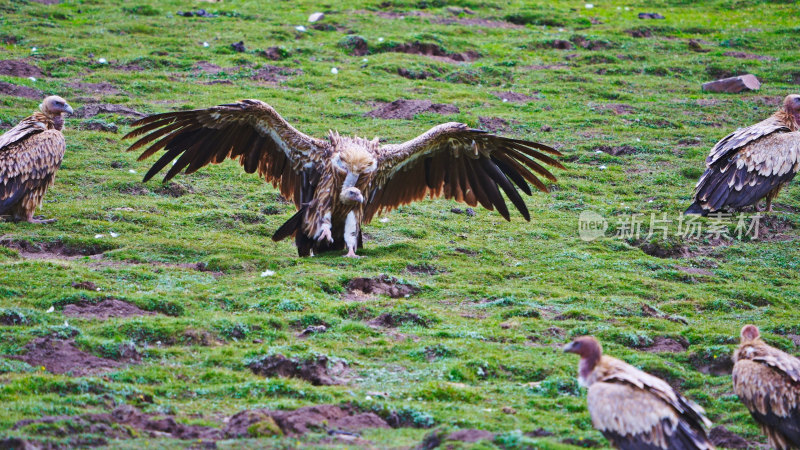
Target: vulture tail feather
(290, 226)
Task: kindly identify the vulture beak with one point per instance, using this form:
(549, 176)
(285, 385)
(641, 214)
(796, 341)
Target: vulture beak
(351, 195)
(68, 109)
(569, 348)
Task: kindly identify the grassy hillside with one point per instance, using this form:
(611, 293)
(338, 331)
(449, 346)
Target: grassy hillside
(479, 345)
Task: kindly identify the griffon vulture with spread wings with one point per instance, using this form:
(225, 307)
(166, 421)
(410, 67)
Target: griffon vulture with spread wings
(30, 155)
(751, 163)
(340, 183)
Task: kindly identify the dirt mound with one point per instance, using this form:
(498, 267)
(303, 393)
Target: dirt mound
(313, 370)
(207, 67)
(106, 309)
(724, 438)
(667, 345)
(394, 320)
(719, 365)
(17, 68)
(51, 250)
(407, 109)
(514, 97)
(91, 110)
(274, 53)
(85, 285)
(432, 51)
(424, 269)
(649, 311)
(95, 88)
(381, 285)
(616, 151)
(173, 189)
(63, 357)
(20, 91)
(124, 422)
(275, 74)
(329, 418)
(493, 123)
(414, 74)
(470, 435)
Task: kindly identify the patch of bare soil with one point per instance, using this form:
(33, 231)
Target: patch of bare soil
(275, 74)
(20, 91)
(470, 435)
(667, 345)
(640, 33)
(743, 55)
(359, 288)
(273, 53)
(50, 250)
(588, 44)
(514, 97)
(103, 88)
(313, 370)
(424, 269)
(99, 126)
(394, 320)
(494, 124)
(616, 108)
(85, 285)
(330, 418)
(207, 67)
(433, 51)
(124, 422)
(105, 309)
(407, 109)
(619, 150)
(724, 438)
(18, 68)
(63, 357)
(93, 109)
(173, 189)
(720, 365)
(398, 14)
(478, 22)
(649, 311)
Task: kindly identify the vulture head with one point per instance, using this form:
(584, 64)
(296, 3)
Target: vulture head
(748, 348)
(791, 104)
(54, 105)
(352, 159)
(590, 351)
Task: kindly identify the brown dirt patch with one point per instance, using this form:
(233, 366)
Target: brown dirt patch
(313, 370)
(470, 435)
(63, 357)
(95, 88)
(273, 53)
(359, 288)
(394, 320)
(493, 124)
(617, 150)
(413, 74)
(424, 269)
(667, 345)
(85, 285)
(275, 74)
(640, 33)
(433, 51)
(18, 68)
(99, 126)
(407, 109)
(207, 67)
(724, 438)
(582, 42)
(743, 55)
(50, 250)
(616, 108)
(20, 91)
(649, 311)
(93, 109)
(722, 365)
(330, 418)
(477, 22)
(514, 97)
(173, 189)
(106, 309)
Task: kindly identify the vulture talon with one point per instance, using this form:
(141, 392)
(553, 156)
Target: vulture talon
(325, 236)
(40, 221)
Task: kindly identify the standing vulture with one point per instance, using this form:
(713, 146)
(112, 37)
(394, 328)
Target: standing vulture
(751, 163)
(30, 155)
(340, 183)
(633, 409)
(767, 381)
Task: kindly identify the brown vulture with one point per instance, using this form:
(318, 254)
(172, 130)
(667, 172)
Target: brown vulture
(751, 163)
(767, 381)
(633, 409)
(340, 183)
(30, 155)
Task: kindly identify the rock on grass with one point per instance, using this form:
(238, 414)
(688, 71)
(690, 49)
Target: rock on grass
(733, 85)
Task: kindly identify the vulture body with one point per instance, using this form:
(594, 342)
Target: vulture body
(751, 163)
(30, 155)
(340, 183)
(633, 409)
(767, 381)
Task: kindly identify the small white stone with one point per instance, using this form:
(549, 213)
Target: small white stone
(98, 236)
(316, 17)
(131, 171)
(383, 219)
(505, 100)
(561, 30)
(52, 308)
(32, 79)
(627, 9)
(112, 234)
(334, 70)
(205, 44)
(597, 152)
(589, 6)
(33, 49)
(368, 398)
(364, 60)
(650, 201)
(300, 28)
(380, 39)
(638, 140)
(267, 273)
(102, 61)
(602, 167)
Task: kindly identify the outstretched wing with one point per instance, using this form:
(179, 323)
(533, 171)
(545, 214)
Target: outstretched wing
(29, 165)
(750, 173)
(743, 136)
(249, 131)
(461, 163)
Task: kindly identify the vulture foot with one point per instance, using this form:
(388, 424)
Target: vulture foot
(352, 254)
(325, 235)
(41, 221)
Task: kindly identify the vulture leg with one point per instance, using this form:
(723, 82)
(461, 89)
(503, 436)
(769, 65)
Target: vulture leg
(351, 233)
(773, 194)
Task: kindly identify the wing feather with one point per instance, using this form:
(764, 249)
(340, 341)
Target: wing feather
(29, 164)
(743, 136)
(249, 131)
(460, 163)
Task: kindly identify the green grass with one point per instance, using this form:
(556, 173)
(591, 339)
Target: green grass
(504, 296)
